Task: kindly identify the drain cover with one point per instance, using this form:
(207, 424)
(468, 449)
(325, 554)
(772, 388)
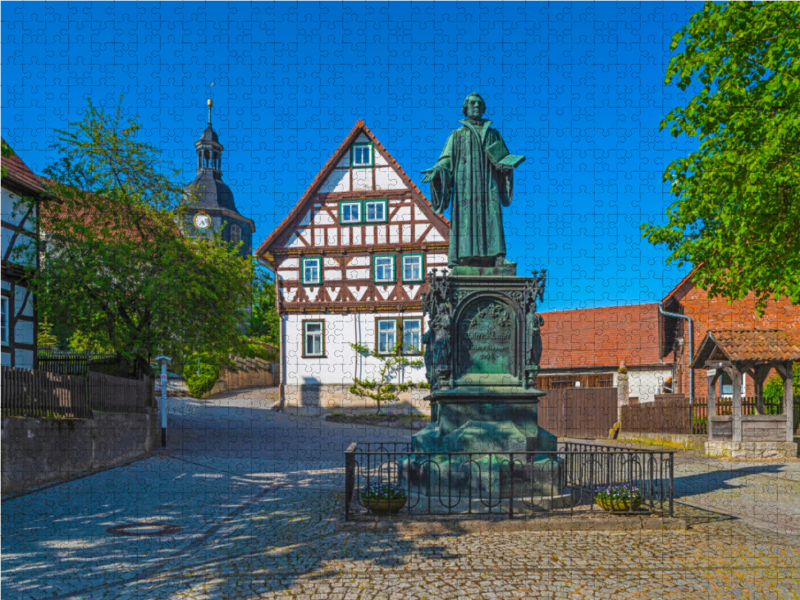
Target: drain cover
(143, 529)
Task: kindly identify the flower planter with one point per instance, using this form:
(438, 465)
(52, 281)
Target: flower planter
(620, 505)
(384, 505)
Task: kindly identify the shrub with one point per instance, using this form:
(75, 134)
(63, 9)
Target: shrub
(203, 382)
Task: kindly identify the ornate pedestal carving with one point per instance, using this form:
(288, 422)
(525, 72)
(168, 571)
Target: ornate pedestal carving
(482, 357)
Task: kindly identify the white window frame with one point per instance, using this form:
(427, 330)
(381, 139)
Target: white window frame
(355, 149)
(350, 221)
(316, 334)
(384, 208)
(303, 264)
(417, 348)
(417, 257)
(376, 267)
(385, 348)
(5, 325)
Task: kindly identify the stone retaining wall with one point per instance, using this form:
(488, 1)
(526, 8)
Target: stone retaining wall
(39, 451)
(751, 450)
(315, 399)
(244, 378)
(672, 440)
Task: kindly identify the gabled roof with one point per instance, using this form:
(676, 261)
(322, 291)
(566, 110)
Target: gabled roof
(600, 337)
(18, 172)
(761, 345)
(683, 282)
(322, 176)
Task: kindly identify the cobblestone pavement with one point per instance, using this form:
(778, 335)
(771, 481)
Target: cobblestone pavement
(256, 496)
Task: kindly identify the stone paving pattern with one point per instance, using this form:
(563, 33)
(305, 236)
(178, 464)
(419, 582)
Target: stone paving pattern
(257, 495)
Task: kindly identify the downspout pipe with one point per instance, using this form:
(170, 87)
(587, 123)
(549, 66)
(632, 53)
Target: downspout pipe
(691, 348)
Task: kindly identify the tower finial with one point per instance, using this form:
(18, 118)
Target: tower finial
(210, 104)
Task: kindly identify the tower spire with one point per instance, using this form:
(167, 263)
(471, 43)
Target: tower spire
(210, 104)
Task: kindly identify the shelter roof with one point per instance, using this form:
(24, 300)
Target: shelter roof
(759, 345)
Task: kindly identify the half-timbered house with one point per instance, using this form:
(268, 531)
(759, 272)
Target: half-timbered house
(18, 309)
(350, 261)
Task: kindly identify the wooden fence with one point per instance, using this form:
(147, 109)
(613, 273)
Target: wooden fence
(676, 415)
(28, 393)
(578, 412)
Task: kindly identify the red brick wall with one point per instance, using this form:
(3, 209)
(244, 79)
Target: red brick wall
(718, 314)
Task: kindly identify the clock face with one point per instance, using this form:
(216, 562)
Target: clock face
(202, 221)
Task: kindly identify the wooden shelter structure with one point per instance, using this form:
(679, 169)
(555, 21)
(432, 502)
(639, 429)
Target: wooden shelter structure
(755, 352)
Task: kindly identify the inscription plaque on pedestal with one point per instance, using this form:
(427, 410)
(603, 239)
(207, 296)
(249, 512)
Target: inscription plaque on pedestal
(487, 339)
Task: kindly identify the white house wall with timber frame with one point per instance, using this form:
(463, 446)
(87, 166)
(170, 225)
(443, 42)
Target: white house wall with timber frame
(18, 327)
(350, 261)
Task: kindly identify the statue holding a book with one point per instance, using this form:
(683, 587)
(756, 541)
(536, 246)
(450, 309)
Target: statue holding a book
(475, 177)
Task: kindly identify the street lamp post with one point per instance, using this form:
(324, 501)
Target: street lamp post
(163, 361)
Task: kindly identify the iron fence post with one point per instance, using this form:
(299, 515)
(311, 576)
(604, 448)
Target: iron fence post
(671, 478)
(349, 477)
(511, 486)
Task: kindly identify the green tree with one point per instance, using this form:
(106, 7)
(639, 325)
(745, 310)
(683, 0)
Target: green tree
(116, 267)
(382, 389)
(773, 387)
(738, 202)
(264, 320)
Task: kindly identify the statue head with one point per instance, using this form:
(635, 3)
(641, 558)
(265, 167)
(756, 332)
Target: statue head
(474, 106)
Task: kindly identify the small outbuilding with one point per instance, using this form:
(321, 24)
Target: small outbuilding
(755, 352)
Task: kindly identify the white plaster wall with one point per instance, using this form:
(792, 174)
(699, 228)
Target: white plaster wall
(8, 215)
(388, 179)
(341, 362)
(646, 384)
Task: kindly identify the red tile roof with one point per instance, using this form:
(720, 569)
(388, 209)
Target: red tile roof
(749, 345)
(600, 337)
(18, 172)
(326, 170)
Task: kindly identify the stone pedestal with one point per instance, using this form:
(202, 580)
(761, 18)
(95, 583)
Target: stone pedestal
(482, 360)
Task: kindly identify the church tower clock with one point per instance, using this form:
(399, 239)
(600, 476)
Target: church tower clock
(215, 206)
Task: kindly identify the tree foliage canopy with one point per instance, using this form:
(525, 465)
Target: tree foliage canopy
(116, 266)
(264, 320)
(737, 214)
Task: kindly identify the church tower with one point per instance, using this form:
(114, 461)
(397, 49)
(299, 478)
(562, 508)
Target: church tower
(215, 206)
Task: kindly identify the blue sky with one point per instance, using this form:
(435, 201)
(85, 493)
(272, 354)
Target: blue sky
(575, 87)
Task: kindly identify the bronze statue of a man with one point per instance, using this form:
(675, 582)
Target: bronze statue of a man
(474, 175)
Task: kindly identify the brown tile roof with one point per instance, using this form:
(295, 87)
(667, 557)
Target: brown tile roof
(18, 172)
(326, 170)
(749, 345)
(600, 337)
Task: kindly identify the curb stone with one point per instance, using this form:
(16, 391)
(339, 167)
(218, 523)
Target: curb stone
(415, 527)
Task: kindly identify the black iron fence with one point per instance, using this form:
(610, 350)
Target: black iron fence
(576, 478)
(79, 364)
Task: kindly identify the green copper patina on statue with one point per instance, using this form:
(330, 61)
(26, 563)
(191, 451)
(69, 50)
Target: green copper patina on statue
(474, 176)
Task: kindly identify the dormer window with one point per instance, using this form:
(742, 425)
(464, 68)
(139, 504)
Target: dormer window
(361, 155)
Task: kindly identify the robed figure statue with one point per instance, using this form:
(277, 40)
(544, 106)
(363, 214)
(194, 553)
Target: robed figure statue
(475, 176)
